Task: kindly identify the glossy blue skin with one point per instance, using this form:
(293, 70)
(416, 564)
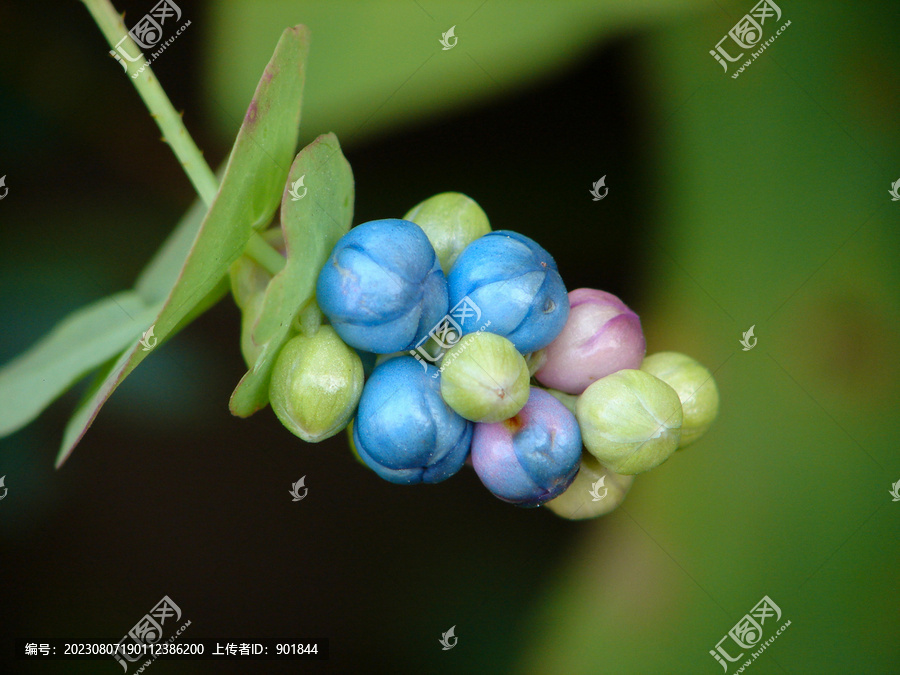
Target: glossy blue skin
(383, 288)
(403, 429)
(532, 457)
(516, 285)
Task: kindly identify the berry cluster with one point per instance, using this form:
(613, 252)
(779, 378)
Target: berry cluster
(448, 342)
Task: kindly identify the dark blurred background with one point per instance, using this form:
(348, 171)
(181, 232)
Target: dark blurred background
(757, 201)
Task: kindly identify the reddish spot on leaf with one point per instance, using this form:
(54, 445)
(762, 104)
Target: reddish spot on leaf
(252, 113)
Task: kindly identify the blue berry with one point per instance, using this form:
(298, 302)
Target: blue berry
(517, 287)
(382, 288)
(532, 457)
(403, 429)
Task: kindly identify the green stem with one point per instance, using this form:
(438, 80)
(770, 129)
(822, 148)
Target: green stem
(169, 121)
(159, 105)
(264, 253)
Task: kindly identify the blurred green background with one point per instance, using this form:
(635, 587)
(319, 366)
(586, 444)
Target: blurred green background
(761, 200)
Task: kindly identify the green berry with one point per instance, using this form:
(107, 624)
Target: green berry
(694, 385)
(595, 491)
(484, 378)
(452, 221)
(316, 384)
(630, 421)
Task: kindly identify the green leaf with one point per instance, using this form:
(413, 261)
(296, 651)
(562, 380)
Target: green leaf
(312, 226)
(247, 198)
(410, 77)
(161, 273)
(79, 343)
(93, 334)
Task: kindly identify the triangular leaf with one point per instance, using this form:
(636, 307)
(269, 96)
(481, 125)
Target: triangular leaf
(160, 274)
(247, 198)
(93, 334)
(79, 343)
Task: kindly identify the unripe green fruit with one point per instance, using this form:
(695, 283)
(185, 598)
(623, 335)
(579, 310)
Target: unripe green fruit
(630, 421)
(694, 385)
(316, 384)
(484, 378)
(595, 491)
(451, 221)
